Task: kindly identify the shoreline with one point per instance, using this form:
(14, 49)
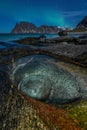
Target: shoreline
(68, 53)
(15, 104)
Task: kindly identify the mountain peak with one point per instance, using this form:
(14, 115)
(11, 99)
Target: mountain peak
(26, 27)
(82, 24)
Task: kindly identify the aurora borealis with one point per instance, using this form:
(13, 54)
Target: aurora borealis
(65, 13)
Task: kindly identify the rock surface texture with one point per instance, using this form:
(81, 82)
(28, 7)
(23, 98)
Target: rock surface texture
(39, 78)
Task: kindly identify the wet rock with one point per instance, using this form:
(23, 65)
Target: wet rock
(41, 79)
(62, 33)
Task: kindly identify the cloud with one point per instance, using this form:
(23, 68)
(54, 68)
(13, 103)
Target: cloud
(73, 13)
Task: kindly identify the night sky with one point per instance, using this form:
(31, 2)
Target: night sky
(65, 13)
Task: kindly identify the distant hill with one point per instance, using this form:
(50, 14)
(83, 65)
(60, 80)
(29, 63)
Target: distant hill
(26, 27)
(82, 25)
(23, 27)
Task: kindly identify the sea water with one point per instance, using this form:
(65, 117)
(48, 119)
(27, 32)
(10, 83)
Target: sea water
(11, 37)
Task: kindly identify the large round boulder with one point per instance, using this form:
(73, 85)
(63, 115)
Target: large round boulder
(40, 78)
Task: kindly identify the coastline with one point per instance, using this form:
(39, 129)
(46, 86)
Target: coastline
(64, 48)
(23, 108)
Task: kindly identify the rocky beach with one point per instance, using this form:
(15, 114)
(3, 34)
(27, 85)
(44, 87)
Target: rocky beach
(44, 80)
(19, 111)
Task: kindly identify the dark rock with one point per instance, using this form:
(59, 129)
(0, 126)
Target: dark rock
(62, 33)
(83, 36)
(46, 41)
(82, 58)
(29, 40)
(42, 38)
(82, 25)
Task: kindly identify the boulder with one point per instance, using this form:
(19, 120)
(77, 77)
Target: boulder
(37, 77)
